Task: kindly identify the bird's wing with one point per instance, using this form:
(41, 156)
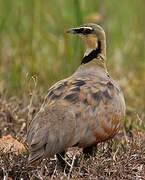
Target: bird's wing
(50, 132)
(45, 130)
(82, 90)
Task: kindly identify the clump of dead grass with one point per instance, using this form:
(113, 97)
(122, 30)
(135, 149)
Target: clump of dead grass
(121, 158)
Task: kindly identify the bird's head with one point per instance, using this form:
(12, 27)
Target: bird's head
(93, 36)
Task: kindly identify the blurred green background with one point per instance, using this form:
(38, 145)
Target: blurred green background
(33, 42)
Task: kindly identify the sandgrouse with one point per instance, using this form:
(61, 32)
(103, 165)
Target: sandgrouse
(81, 110)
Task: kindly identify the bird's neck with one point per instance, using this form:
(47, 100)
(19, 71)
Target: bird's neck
(95, 53)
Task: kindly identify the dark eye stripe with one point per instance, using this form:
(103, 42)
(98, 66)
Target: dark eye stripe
(79, 30)
(84, 31)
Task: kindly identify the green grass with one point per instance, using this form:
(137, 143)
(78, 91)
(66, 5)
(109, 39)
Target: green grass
(33, 42)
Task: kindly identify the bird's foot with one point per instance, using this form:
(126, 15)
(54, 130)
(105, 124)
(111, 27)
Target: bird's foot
(89, 151)
(61, 163)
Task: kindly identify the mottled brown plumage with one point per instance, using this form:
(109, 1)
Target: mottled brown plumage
(84, 109)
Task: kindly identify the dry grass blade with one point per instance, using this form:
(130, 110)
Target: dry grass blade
(71, 167)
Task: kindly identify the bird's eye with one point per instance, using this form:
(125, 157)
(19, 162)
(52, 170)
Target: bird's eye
(87, 31)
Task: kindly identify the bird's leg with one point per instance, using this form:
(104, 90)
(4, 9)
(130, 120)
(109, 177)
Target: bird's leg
(43, 164)
(89, 151)
(60, 158)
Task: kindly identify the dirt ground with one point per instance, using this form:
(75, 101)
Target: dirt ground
(120, 158)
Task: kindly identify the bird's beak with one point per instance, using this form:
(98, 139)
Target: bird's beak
(73, 31)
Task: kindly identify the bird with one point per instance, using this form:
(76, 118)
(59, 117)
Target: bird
(82, 110)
